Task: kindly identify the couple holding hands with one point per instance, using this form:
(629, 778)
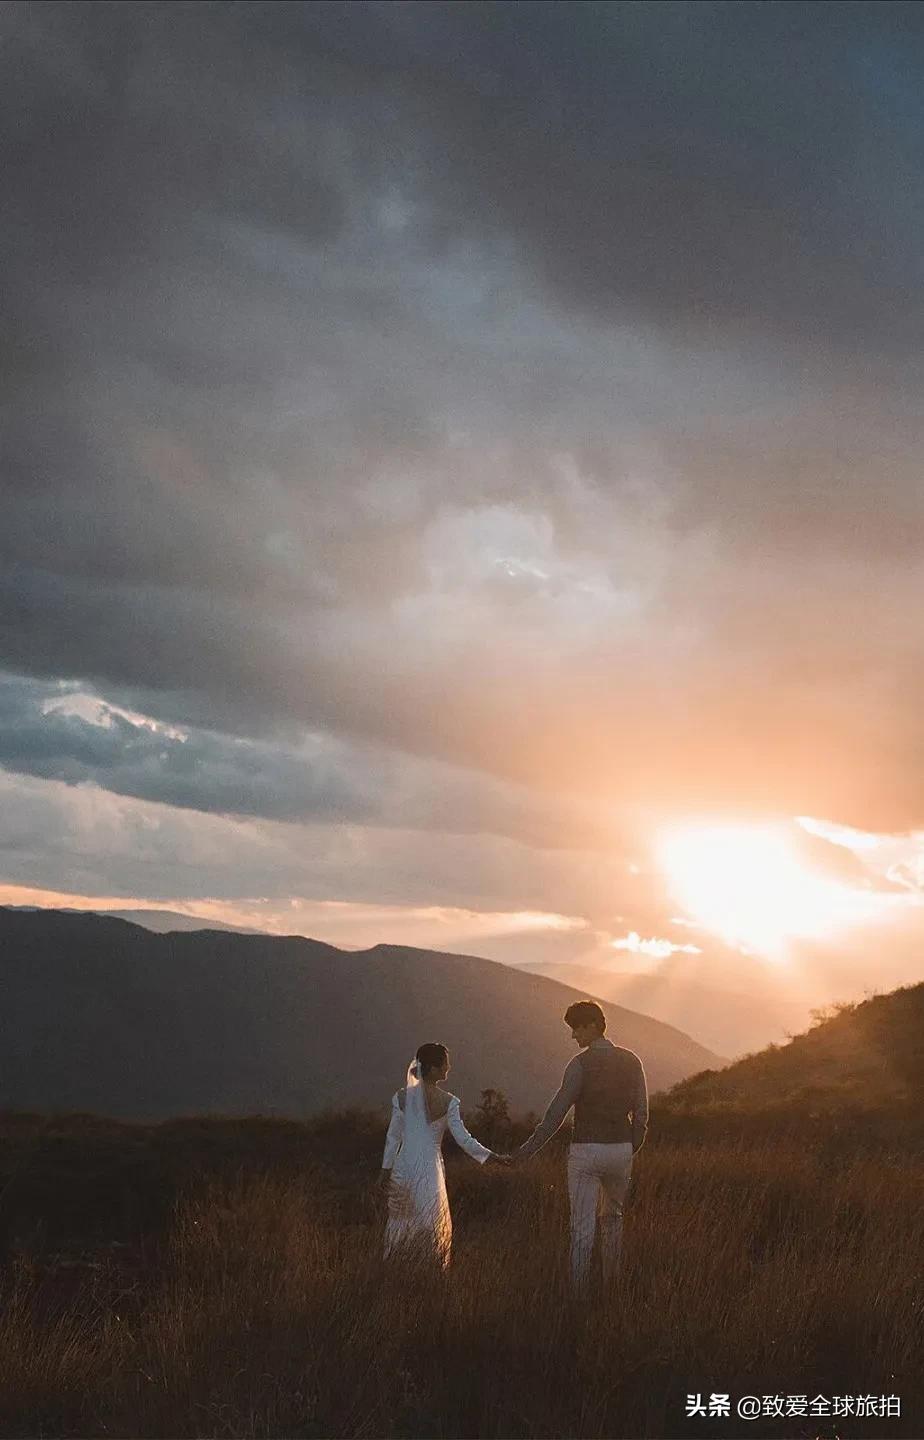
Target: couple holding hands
(604, 1083)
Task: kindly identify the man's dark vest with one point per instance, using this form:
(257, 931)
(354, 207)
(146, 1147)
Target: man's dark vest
(608, 1089)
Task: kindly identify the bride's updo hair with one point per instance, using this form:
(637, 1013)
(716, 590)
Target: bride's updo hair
(432, 1057)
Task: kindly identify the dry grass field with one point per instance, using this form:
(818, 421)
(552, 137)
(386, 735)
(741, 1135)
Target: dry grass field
(210, 1278)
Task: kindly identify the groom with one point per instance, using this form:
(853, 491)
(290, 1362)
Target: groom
(606, 1085)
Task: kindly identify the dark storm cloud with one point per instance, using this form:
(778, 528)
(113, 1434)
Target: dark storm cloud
(200, 771)
(533, 388)
(703, 162)
(57, 732)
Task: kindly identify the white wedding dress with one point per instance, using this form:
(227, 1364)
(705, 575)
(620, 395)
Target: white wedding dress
(418, 1206)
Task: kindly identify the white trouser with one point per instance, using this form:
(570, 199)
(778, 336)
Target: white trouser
(598, 1179)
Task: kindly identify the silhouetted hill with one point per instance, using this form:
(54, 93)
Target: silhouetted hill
(868, 1055)
(101, 1015)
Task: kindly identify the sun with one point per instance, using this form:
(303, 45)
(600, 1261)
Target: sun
(748, 885)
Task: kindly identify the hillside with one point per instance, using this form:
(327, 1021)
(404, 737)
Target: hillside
(101, 1015)
(868, 1056)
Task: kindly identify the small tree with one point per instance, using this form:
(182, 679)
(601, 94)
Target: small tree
(491, 1120)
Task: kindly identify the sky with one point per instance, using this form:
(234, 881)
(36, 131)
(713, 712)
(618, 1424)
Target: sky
(447, 448)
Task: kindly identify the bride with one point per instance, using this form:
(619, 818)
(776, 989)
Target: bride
(412, 1166)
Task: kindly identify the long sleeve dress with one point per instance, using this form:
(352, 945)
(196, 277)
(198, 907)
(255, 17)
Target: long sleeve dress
(418, 1206)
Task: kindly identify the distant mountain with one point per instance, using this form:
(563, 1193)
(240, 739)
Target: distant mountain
(101, 1015)
(725, 1020)
(867, 1055)
(163, 921)
(160, 921)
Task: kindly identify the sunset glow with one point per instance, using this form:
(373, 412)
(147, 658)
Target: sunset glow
(748, 885)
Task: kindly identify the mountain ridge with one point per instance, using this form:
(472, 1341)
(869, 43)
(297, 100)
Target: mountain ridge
(106, 1016)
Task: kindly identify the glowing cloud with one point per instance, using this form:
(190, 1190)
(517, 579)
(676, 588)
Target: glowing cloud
(748, 885)
(658, 949)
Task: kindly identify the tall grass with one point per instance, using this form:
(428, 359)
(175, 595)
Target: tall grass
(270, 1311)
